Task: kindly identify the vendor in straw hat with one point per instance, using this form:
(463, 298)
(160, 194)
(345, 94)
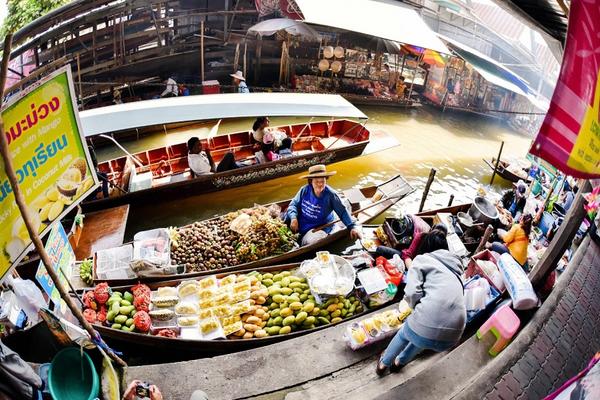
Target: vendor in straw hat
(314, 205)
(240, 82)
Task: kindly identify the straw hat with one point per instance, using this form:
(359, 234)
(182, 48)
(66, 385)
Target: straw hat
(238, 75)
(521, 186)
(318, 171)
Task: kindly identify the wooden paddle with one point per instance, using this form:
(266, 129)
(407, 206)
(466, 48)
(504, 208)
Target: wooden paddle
(385, 198)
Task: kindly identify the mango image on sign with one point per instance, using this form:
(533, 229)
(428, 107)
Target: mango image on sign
(20, 236)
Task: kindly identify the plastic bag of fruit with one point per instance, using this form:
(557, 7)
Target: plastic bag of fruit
(376, 327)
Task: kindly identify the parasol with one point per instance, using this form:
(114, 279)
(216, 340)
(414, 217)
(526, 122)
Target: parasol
(295, 28)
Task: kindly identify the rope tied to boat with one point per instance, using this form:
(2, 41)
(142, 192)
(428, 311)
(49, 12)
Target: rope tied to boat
(99, 342)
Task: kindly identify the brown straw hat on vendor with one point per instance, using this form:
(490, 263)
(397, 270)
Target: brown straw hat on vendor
(318, 171)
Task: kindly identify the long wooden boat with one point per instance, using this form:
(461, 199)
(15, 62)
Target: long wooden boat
(151, 347)
(314, 143)
(503, 171)
(367, 205)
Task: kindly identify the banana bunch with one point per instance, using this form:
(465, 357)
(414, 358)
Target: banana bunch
(85, 271)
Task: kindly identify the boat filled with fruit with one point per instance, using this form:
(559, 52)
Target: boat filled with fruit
(225, 313)
(241, 240)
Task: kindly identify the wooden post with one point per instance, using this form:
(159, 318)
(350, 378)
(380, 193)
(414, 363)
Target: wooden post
(497, 162)
(562, 239)
(202, 51)
(245, 52)
(25, 213)
(486, 236)
(258, 60)
(79, 81)
(427, 186)
(236, 58)
(451, 200)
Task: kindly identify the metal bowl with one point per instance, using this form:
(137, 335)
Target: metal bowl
(483, 211)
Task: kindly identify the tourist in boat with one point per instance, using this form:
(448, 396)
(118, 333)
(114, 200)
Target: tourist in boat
(515, 241)
(515, 200)
(258, 129)
(199, 160)
(227, 163)
(285, 150)
(240, 82)
(266, 152)
(171, 90)
(407, 229)
(314, 206)
(434, 291)
(400, 88)
(567, 197)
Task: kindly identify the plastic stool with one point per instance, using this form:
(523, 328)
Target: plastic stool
(504, 323)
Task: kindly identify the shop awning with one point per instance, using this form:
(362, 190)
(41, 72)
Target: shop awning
(296, 28)
(384, 19)
(489, 69)
(215, 106)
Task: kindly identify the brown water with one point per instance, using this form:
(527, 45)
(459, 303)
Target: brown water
(454, 144)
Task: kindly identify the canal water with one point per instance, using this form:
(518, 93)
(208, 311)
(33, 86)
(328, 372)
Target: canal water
(452, 143)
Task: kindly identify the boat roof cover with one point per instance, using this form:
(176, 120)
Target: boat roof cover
(139, 114)
(384, 19)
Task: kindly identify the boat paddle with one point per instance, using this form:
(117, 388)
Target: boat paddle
(354, 213)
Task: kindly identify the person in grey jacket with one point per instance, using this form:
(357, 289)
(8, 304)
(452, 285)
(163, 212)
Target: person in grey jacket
(434, 291)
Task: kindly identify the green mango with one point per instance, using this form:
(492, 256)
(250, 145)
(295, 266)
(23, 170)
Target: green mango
(273, 330)
(309, 321)
(289, 320)
(301, 317)
(116, 326)
(125, 303)
(287, 291)
(268, 275)
(116, 306)
(275, 312)
(121, 319)
(267, 282)
(303, 297)
(129, 322)
(110, 316)
(323, 320)
(126, 310)
(128, 296)
(117, 294)
(278, 321)
(128, 328)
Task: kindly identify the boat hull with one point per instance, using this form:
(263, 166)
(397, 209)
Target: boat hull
(228, 179)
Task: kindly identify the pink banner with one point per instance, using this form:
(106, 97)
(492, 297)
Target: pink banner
(570, 136)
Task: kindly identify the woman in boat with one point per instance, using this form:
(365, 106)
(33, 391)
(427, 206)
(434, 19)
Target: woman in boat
(261, 127)
(408, 228)
(314, 205)
(434, 291)
(515, 241)
(199, 160)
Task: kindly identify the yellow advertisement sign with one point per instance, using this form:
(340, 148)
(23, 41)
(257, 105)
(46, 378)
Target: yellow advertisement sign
(50, 158)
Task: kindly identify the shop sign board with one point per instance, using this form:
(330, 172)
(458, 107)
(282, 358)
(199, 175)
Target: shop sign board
(570, 134)
(62, 256)
(50, 158)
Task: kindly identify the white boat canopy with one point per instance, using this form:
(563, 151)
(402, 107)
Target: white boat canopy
(139, 114)
(296, 28)
(385, 19)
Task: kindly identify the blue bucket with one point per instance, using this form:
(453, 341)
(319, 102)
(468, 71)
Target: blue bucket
(546, 223)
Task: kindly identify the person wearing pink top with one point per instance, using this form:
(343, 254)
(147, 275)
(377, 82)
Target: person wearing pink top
(420, 227)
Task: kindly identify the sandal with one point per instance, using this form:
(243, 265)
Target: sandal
(396, 366)
(381, 368)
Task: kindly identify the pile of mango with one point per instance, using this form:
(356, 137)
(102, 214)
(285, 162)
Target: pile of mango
(290, 306)
(121, 311)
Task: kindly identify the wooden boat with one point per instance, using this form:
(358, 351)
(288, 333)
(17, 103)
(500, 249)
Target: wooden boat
(366, 206)
(139, 345)
(314, 143)
(428, 216)
(503, 171)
